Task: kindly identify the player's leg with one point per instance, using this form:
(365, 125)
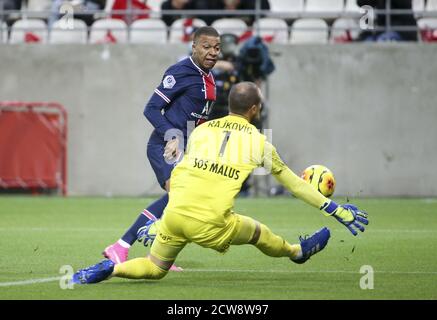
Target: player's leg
(240, 230)
(152, 213)
(139, 268)
(250, 231)
(118, 252)
(154, 266)
(163, 253)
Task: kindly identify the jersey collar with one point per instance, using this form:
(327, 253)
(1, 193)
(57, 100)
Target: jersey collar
(199, 68)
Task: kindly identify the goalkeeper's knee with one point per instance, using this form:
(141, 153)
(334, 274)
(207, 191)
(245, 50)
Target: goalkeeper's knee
(268, 242)
(262, 236)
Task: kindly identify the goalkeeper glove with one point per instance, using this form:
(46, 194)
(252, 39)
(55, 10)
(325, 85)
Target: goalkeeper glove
(348, 215)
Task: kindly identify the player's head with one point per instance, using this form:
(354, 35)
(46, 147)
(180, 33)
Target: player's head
(245, 99)
(206, 47)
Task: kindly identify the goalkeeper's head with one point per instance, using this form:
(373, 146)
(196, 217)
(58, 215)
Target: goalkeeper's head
(245, 100)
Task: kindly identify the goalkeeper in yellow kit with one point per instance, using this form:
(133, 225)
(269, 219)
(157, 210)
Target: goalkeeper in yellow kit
(220, 155)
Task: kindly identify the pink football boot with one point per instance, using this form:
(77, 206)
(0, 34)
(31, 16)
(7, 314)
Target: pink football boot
(116, 253)
(176, 268)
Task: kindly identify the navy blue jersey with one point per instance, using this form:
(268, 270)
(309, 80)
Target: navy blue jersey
(185, 95)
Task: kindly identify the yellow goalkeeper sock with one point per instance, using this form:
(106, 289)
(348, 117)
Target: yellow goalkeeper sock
(139, 268)
(275, 246)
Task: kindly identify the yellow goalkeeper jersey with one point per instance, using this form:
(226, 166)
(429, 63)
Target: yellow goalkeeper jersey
(220, 155)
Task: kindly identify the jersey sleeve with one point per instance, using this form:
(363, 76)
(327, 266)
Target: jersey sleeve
(173, 84)
(296, 185)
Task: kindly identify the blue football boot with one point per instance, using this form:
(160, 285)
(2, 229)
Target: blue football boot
(95, 273)
(313, 244)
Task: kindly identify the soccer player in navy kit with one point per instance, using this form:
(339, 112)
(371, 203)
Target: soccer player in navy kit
(183, 100)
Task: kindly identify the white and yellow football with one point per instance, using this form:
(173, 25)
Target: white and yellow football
(321, 178)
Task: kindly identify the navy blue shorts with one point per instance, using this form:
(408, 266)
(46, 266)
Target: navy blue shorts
(162, 169)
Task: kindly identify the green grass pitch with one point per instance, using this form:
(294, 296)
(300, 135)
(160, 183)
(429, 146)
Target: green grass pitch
(38, 235)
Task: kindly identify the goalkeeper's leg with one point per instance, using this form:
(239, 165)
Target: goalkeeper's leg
(163, 253)
(155, 266)
(250, 231)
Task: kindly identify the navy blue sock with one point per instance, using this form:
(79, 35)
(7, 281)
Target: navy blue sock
(157, 208)
(153, 211)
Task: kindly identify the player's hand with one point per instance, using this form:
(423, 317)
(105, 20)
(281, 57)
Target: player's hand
(171, 150)
(350, 216)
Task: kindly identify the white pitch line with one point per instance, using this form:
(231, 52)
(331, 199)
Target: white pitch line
(44, 229)
(26, 282)
(43, 280)
(307, 271)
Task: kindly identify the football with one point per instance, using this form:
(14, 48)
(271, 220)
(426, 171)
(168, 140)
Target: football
(321, 178)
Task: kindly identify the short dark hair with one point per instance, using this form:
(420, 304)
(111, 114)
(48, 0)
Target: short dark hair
(243, 96)
(207, 31)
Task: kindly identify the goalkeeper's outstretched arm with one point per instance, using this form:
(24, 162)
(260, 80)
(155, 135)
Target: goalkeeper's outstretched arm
(348, 214)
(300, 188)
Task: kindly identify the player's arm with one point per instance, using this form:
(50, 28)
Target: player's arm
(152, 112)
(172, 85)
(348, 215)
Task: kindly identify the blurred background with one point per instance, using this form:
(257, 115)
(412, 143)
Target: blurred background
(349, 84)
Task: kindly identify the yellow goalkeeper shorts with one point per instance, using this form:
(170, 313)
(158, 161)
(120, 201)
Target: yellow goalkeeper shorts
(176, 230)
